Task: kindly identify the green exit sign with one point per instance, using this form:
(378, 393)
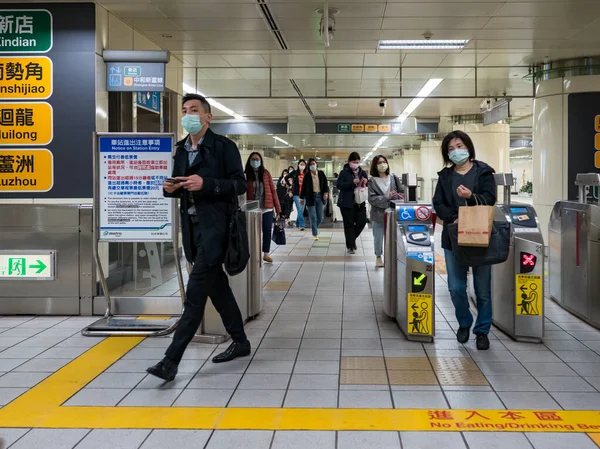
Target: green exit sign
(25, 31)
(344, 128)
(23, 265)
(132, 71)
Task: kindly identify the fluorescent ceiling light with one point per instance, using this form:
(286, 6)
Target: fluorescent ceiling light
(190, 90)
(423, 44)
(425, 91)
(279, 139)
(377, 145)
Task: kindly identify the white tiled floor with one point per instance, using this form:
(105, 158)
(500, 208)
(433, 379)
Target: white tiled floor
(332, 310)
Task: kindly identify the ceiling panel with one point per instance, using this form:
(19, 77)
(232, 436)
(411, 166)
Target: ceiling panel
(345, 59)
(423, 59)
(202, 11)
(442, 9)
(220, 25)
(350, 10)
(467, 59)
(526, 34)
(384, 59)
(433, 23)
(539, 23)
(503, 59)
(245, 60)
(563, 9)
(439, 34)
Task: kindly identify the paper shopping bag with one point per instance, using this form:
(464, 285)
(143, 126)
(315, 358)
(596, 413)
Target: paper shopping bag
(475, 225)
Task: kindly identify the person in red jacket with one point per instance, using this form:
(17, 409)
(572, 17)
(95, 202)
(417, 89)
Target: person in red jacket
(262, 189)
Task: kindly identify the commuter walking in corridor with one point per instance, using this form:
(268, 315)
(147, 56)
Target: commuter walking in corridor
(207, 177)
(465, 181)
(315, 193)
(383, 188)
(351, 182)
(262, 189)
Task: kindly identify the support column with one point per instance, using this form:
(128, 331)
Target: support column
(412, 162)
(431, 163)
(491, 142)
(564, 134)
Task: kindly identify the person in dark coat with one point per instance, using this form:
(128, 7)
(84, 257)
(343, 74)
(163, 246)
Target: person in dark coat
(315, 193)
(354, 215)
(465, 181)
(284, 193)
(207, 177)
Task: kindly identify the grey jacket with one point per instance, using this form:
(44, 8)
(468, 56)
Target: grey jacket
(379, 200)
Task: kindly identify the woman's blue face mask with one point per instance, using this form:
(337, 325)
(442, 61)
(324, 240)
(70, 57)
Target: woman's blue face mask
(459, 156)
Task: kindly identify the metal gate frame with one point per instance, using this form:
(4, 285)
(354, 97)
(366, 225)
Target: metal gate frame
(111, 324)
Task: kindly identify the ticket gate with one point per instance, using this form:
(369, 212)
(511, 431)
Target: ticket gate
(574, 251)
(518, 283)
(415, 272)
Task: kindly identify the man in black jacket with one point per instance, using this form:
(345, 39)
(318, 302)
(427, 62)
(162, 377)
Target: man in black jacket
(207, 176)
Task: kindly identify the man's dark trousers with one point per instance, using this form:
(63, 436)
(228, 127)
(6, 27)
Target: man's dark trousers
(205, 281)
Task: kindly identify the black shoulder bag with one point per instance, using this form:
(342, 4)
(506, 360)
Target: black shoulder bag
(238, 247)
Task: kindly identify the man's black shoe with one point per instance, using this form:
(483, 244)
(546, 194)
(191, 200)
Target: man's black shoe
(165, 370)
(463, 334)
(483, 343)
(234, 351)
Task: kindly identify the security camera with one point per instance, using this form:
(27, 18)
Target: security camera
(382, 103)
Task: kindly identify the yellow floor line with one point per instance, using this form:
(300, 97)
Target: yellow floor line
(41, 407)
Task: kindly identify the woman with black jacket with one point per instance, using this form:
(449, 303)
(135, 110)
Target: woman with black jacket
(354, 215)
(284, 193)
(315, 192)
(297, 181)
(465, 181)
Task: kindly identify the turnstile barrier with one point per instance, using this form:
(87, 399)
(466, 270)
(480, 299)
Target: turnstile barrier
(574, 252)
(415, 271)
(518, 283)
(390, 285)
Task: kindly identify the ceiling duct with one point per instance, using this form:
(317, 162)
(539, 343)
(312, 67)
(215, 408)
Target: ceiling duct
(263, 7)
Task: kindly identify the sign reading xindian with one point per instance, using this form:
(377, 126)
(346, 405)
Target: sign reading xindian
(25, 31)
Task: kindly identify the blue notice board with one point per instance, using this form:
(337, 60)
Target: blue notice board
(131, 172)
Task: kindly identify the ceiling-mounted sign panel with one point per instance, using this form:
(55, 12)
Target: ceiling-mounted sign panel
(25, 31)
(135, 77)
(407, 126)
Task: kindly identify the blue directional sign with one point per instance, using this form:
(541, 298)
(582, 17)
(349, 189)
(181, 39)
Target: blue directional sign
(135, 77)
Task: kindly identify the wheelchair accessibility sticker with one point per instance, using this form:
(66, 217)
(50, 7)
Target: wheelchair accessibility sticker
(406, 214)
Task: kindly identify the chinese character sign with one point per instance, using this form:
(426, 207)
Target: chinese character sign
(25, 31)
(26, 170)
(131, 172)
(25, 78)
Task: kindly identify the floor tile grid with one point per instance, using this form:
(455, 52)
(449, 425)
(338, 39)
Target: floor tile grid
(375, 311)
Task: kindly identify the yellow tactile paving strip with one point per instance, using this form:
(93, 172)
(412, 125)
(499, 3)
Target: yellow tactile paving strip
(447, 371)
(40, 407)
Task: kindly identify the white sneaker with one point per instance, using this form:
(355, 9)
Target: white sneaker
(379, 262)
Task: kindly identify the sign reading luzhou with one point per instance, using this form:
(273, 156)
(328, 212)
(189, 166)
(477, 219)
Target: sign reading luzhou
(131, 171)
(23, 265)
(26, 170)
(25, 31)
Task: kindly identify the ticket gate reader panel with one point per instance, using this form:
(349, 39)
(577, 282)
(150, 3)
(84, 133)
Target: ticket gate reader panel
(415, 312)
(518, 283)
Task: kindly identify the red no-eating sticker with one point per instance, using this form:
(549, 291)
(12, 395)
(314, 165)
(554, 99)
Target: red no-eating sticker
(423, 213)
